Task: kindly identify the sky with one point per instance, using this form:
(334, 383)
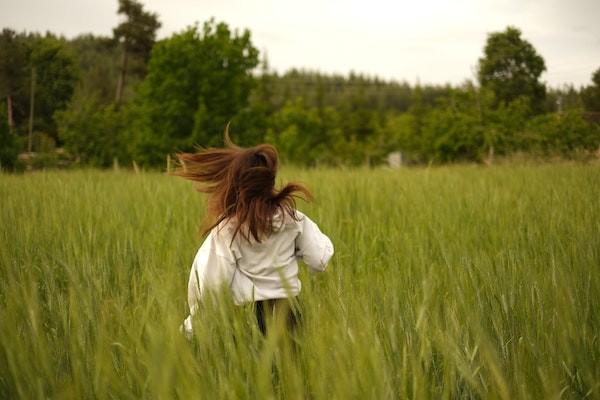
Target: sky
(431, 42)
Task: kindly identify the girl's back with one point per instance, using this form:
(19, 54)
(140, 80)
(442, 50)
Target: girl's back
(255, 232)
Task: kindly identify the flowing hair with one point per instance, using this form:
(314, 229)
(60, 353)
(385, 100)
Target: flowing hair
(240, 183)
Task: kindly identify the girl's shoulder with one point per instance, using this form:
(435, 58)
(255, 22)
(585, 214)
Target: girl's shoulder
(283, 222)
(224, 229)
(283, 219)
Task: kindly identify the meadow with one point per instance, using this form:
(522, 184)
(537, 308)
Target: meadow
(447, 282)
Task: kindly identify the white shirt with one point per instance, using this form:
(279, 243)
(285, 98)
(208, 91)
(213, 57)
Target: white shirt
(257, 271)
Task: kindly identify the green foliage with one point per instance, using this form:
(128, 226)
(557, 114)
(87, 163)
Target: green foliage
(511, 68)
(96, 58)
(136, 34)
(300, 134)
(447, 283)
(566, 97)
(10, 145)
(591, 94)
(94, 132)
(138, 31)
(56, 74)
(197, 81)
(14, 70)
(315, 136)
(182, 92)
(453, 136)
(13, 63)
(464, 126)
(400, 133)
(55, 77)
(563, 133)
(321, 90)
(504, 125)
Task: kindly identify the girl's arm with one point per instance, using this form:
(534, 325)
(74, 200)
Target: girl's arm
(312, 245)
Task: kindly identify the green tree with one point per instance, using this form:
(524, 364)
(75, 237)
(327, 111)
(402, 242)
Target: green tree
(251, 123)
(46, 60)
(10, 144)
(56, 74)
(95, 56)
(464, 126)
(136, 34)
(511, 68)
(94, 132)
(197, 81)
(293, 131)
(308, 135)
(591, 94)
(13, 72)
(358, 119)
(563, 133)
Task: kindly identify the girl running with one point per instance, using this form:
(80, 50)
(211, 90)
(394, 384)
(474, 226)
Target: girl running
(255, 234)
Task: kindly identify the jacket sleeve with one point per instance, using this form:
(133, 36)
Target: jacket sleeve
(213, 266)
(312, 245)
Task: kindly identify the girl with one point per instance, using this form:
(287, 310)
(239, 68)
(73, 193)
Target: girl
(255, 233)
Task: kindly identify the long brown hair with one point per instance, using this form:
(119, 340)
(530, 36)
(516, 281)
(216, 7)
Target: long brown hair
(240, 183)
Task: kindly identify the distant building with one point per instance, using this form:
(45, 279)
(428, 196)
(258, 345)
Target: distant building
(394, 159)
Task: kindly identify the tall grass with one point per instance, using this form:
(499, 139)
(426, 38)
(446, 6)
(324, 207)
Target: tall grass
(453, 282)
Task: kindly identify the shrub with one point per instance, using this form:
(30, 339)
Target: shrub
(566, 133)
(10, 144)
(93, 132)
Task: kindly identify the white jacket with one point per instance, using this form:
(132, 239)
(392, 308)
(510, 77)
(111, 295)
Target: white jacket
(257, 271)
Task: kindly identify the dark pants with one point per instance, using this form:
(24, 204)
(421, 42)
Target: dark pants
(270, 311)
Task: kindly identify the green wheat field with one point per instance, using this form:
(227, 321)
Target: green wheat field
(447, 282)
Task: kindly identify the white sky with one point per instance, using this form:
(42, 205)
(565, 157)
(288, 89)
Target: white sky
(433, 41)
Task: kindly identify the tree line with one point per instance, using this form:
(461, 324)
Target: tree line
(95, 100)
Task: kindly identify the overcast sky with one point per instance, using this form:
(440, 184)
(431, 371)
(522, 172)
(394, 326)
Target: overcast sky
(430, 41)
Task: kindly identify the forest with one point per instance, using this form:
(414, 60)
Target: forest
(132, 99)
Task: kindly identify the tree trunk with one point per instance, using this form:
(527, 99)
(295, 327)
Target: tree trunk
(121, 81)
(9, 111)
(31, 109)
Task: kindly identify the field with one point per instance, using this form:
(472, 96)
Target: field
(448, 282)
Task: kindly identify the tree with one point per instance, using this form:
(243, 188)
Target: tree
(96, 57)
(55, 77)
(197, 81)
(9, 144)
(35, 64)
(511, 68)
(565, 133)
(136, 34)
(13, 71)
(308, 136)
(591, 94)
(92, 131)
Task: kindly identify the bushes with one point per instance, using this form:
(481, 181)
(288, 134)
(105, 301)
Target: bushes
(94, 133)
(10, 145)
(300, 133)
(563, 134)
(453, 136)
(9, 149)
(466, 126)
(314, 136)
